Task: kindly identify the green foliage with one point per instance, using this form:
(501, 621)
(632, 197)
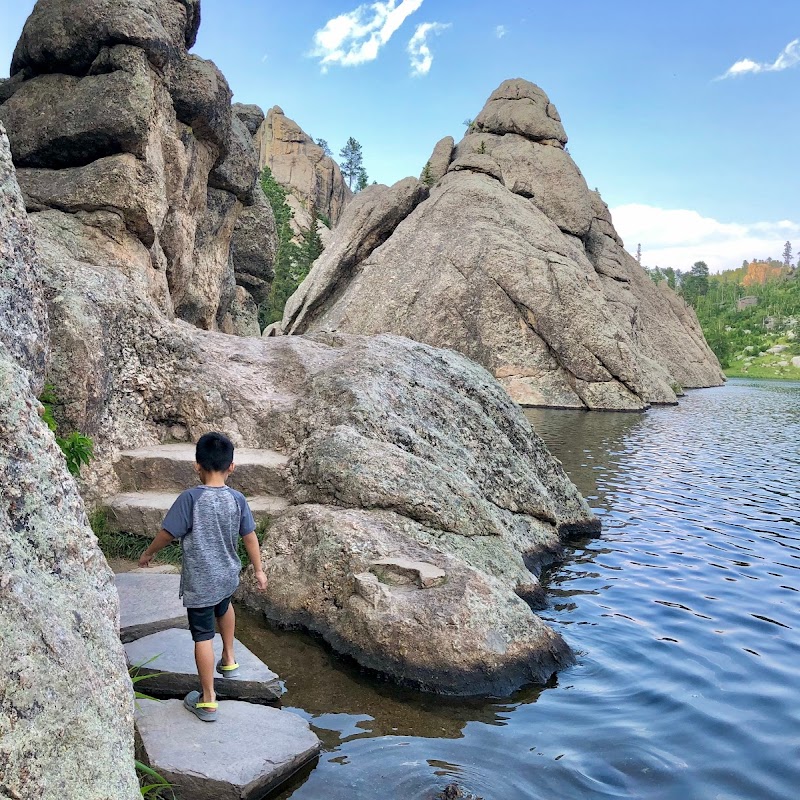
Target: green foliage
(363, 180)
(352, 162)
(427, 176)
(128, 546)
(482, 148)
(158, 786)
(469, 123)
(695, 284)
(324, 219)
(77, 448)
(293, 260)
(261, 532)
(325, 147)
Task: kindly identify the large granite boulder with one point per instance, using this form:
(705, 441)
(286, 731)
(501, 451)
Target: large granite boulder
(65, 698)
(109, 116)
(511, 260)
(312, 179)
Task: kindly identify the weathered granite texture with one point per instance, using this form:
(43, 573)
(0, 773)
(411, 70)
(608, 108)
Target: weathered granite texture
(511, 260)
(312, 179)
(113, 123)
(66, 701)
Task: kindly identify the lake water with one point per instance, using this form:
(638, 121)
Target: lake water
(684, 614)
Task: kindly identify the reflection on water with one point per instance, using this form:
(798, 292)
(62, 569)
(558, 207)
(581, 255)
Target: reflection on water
(684, 615)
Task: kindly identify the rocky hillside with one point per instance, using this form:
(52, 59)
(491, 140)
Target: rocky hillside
(510, 259)
(66, 702)
(405, 460)
(105, 109)
(312, 178)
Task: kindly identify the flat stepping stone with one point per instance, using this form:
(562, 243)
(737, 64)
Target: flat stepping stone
(142, 513)
(246, 753)
(148, 603)
(171, 466)
(170, 655)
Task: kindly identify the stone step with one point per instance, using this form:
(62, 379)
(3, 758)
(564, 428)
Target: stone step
(168, 657)
(143, 512)
(246, 753)
(148, 603)
(171, 466)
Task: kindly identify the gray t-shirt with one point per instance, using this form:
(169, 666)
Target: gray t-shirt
(209, 520)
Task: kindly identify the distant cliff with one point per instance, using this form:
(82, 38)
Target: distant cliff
(312, 178)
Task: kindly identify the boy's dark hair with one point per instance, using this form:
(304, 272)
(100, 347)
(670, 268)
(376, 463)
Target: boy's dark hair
(214, 452)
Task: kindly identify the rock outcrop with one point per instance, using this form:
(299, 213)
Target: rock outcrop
(117, 132)
(513, 261)
(422, 505)
(312, 179)
(66, 701)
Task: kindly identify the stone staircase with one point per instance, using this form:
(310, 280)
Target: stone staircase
(250, 750)
(253, 747)
(152, 477)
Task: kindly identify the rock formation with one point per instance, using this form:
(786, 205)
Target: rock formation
(422, 504)
(66, 702)
(511, 260)
(116, 130)
(312, 179)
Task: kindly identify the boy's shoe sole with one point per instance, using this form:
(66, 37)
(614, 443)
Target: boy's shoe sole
(193, 704)
(226, 669)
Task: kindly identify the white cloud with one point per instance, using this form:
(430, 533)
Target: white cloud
(421, 55)
(789, 57)
(679, 237)
(500, 31)
(264, 58)
(357, 36)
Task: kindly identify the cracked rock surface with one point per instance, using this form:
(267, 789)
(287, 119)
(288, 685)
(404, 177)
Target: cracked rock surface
(513, 261)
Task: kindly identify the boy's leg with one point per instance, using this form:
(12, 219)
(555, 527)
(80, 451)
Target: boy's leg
(227, 629)
(204, 657)
(201, 624)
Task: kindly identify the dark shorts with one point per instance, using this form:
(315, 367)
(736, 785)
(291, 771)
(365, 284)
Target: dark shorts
(201, 620)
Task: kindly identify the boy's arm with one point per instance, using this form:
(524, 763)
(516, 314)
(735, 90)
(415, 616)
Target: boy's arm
(161, 540)
(253, 548)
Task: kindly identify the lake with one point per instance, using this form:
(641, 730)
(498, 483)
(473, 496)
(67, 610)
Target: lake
(684, 615)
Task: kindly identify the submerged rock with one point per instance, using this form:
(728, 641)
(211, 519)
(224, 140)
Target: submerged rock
(511, 260)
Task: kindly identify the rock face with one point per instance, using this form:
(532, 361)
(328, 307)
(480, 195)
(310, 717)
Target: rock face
(300, 165)
(422, 505)
(119, 134)
(65, 697)
(511, 260)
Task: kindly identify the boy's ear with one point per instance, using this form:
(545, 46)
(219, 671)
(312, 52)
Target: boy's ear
(232, 467)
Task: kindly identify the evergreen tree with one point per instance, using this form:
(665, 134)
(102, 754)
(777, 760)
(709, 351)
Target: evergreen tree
(325, 147)
(352, 162)
(363, 179)
(427, 175)
(695, 284)
(787, 254)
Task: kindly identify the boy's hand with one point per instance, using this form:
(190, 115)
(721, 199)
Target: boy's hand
(261, 580)
(145, 559)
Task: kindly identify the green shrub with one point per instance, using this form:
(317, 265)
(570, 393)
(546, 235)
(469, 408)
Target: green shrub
(77, 448)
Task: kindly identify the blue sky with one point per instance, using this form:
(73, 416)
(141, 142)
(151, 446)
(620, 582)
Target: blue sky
(693, 166)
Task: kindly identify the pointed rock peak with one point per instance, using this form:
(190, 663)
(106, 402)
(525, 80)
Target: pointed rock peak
(276, 110)
(521, 107)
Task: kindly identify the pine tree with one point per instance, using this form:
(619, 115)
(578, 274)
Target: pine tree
(427, 175)
(363, 180)
(352, 162)
(325, 147)
(787, 254)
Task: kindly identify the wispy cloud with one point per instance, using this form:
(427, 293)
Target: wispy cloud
(679, 237)
(789, 57)
(264, 58)
(418, 49)
(357, 36)
(500, 31)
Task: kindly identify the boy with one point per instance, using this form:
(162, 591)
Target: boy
(208, 520)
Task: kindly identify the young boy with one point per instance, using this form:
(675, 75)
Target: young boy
(208, 520)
